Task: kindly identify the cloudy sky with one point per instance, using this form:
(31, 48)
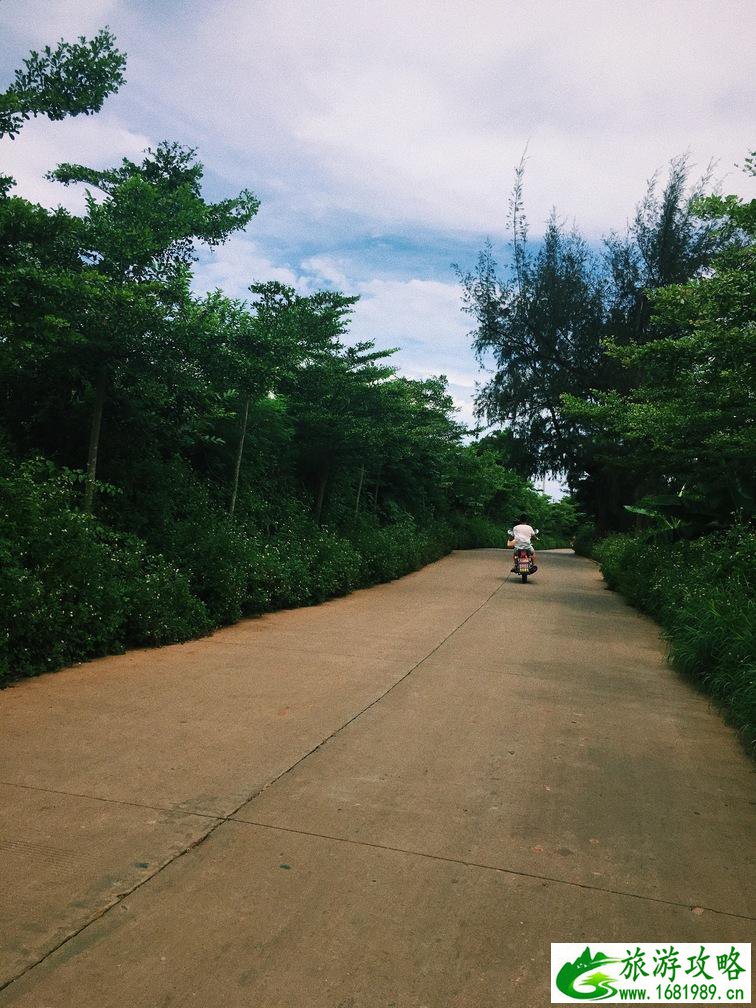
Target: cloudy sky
(382, 137)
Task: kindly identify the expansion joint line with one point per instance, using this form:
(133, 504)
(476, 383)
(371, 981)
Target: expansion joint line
(369, 706)
(486, 867)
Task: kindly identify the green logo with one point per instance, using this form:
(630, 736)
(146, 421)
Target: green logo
(585, 979)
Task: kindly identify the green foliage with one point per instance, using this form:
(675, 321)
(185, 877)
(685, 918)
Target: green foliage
(585, 539)
(74, 78)
(478, 531)
(151, 213)
(389, 551)
(236, 455)
(542, 326)
(572, 334)
(70, 588)
(685, 431)
(703, 594)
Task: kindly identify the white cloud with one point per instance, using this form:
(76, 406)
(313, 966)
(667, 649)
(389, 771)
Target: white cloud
(423, 319)
(410, 313)
(42, 145)
(239, 263)
(418, 112)
(324, 267)
(415, 113)
(43, 22)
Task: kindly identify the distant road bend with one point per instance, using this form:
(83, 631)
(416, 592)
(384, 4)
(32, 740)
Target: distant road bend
(398, 798)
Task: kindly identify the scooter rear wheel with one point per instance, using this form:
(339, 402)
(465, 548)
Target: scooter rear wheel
(524, 578)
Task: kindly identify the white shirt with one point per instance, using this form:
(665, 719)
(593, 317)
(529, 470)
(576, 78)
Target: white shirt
(523, 534)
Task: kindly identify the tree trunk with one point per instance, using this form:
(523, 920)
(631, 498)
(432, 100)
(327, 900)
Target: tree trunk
(94, 437)
(359, 492)
(321, 496)
(239, 454)
(377, 486)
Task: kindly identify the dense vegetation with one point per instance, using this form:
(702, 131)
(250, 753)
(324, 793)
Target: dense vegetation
(169, 461)
(631, 371)
(707, 614)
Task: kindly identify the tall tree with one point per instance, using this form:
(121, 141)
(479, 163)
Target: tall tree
(667, 242)
(138, 241)
(548, 322)
(687, 427)
(543, 328)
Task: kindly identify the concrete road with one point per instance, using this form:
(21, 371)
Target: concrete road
(393, 800)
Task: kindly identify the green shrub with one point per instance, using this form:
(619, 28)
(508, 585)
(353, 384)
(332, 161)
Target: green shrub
(334, 566)
(284, 576)
(479, 532)
(585, 539)
(71, 589)
(389, 551)
(703, 595)
(157, 605)
(222, 563)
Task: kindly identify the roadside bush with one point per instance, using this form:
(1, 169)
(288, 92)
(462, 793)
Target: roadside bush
(216, 558)
(703, 595)
(71, 589)
(585, 539)
(480, 532)
(284, 577)
(334, 566)
(157, 605)
(389, 551)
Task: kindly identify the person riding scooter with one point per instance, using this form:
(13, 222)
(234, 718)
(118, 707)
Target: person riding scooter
(522, 535)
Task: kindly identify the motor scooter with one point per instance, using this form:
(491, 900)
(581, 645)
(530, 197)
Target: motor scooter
(522, 559)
